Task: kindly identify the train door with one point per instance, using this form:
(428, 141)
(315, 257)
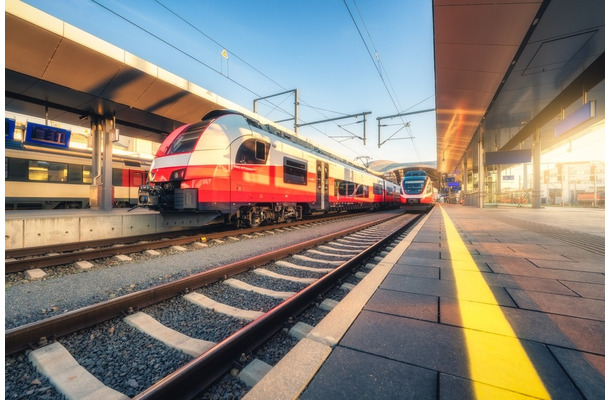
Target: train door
(322, 185)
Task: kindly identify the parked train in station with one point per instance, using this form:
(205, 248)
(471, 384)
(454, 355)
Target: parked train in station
(417, 192)
(49, 178)
(233, 168)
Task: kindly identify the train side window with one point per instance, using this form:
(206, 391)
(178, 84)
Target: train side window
(295, 171)
(117, 177)
(252, 151)
(261, 151)
(346, 188)
(58, 172)
(137, 178)
(377, 188)
(38, 171)
(186, 141)
(87, 176)
(75, 173)
(362, 191)
(17, 169)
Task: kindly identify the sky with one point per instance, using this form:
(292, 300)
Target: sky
(345, 57)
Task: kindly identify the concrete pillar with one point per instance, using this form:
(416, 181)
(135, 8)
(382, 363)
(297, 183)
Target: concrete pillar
(481, 162)
(107, 167)
(464, 177)
(498, 183)
(95, 193)
(536, 202)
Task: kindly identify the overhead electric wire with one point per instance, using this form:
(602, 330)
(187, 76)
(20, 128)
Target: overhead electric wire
(172, 46)
(223, 47)
(377, 67)
(213, 69)
(273, 106)
(377, 56)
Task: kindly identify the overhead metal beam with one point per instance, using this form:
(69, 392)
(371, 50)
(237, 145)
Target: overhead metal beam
(379, 142)
(296, 106)
(363, 114)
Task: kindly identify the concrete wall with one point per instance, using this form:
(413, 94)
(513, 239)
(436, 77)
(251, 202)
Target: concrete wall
(35, 231)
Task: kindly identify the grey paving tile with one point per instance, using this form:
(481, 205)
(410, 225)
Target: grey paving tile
(571, 265)
(425, 344)
(523, 267)
(424, 262)
(351, 375)
(588, 290)
(432, 254)
(416, 270)
(402, 304)
(558, 304)
(586, 370)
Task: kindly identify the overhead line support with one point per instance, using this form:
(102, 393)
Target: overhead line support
(363, 114)
(379, 142)
(296, 106)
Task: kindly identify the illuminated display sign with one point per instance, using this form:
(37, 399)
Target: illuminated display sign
(9, 129)
(44, 135)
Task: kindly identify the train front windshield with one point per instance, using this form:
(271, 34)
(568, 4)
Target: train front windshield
(413, 186)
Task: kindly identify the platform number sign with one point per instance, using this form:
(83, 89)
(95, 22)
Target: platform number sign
(9, 129)
(44, 135)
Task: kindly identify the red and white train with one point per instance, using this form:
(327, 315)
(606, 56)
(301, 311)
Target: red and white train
(417, 192)
(232, 169)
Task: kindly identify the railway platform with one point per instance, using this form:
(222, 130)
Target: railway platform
(31, 228)
(473, 303)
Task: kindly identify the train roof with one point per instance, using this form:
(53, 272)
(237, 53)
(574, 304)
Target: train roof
(274, 130)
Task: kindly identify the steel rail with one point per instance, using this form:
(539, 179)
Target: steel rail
(30, 335)
(191, 379)
(153, 241)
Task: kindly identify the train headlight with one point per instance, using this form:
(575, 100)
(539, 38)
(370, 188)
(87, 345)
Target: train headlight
(177, 175)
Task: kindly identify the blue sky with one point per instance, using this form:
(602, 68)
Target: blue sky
(278, 45)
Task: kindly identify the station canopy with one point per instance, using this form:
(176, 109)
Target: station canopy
(57, 71)
(501, 64)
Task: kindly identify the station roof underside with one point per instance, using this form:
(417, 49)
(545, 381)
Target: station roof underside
(53, 67)
(499, 62)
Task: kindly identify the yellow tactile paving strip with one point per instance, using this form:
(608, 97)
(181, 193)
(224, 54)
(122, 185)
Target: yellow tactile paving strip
(495, 354)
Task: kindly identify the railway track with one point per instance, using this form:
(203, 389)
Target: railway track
(294, 277)
(19, 260)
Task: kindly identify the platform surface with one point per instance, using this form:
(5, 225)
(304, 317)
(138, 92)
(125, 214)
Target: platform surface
(483, 303)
